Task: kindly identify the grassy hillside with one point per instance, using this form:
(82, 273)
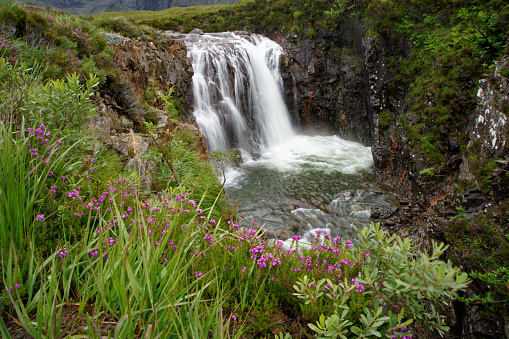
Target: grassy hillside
(253, 15)
(85, 7)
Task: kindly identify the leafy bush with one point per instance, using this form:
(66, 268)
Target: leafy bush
(396, 280)
(63, 105)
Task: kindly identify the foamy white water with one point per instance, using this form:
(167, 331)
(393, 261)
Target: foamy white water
(302, 152)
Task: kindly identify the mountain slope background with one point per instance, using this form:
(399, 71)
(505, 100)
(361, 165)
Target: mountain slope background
(82, 7)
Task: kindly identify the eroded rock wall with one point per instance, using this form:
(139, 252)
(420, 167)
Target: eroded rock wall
(337, 82)
(129, 99)
(326, 83)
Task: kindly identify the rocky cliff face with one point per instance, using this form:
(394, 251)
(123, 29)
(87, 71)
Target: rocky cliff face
(342, 82)
(327, 83)
(489, 126)
(127, 101)
(338, 82)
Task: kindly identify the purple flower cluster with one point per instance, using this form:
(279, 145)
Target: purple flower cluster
(358, 286)
(399, 336)
(94, 252)
(12, 287)
(62, 254)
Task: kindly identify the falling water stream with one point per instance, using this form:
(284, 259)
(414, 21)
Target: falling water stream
(291, 183)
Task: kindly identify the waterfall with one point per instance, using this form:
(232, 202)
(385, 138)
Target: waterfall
(287, 182)
(237, 90)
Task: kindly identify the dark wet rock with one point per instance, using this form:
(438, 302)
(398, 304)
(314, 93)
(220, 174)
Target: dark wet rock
(449, 213)
(375, 214)
(454, 145)
(472, 198)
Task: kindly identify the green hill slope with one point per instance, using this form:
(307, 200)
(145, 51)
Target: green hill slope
(82, 7)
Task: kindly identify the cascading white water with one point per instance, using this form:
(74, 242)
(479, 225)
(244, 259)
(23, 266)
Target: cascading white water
(237, 92)
(299, 182)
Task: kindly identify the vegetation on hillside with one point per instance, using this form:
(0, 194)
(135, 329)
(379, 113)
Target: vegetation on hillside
(87, 252)
(452, 45)
(87, 7)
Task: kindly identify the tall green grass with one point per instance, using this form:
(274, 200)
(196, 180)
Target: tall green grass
(29, 157)
(145, 278)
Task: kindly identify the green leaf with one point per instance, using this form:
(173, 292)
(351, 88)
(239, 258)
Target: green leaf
(314, 328)
(356, 330)
(3, 330)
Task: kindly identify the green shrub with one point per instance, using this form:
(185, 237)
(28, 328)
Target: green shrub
(63, 105)
(396, 279)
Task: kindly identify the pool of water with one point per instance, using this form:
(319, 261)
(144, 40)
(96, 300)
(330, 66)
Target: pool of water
(307, 183)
